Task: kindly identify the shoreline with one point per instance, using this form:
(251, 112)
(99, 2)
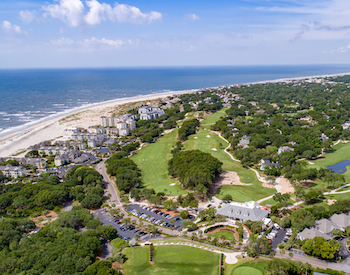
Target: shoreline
(50, 127)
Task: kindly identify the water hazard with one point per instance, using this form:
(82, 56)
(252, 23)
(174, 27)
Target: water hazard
(340, 167)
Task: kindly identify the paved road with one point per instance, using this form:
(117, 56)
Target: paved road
(344, 251)
(101, 168)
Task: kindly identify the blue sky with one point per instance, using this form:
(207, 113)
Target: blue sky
(104, 33)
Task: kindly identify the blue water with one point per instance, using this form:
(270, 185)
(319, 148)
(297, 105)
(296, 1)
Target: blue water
(340, 167)
(29, 96)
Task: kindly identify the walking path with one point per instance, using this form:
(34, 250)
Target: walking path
(334, 192)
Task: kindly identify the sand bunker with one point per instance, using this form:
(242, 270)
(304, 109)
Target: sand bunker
(287, 187)
(226, 178)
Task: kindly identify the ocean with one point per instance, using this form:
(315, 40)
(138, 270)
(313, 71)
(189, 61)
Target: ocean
(33, 95)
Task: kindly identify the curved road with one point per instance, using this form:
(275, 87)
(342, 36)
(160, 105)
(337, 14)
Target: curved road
(101, 168)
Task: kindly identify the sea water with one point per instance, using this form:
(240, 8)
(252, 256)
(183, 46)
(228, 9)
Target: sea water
(33, 95)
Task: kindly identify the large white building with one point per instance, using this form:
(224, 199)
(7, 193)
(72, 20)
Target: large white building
(124, 124)
(13, 171)
(243, 211)
(148, 112)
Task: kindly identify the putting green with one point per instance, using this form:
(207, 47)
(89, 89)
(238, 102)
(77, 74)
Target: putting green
(245, 270)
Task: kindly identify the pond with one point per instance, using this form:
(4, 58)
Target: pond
(340, 167)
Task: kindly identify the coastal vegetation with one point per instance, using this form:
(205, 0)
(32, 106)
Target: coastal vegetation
(58, 248)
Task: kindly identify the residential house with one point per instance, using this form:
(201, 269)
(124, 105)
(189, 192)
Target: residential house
(326, 226)
(310, 233)
(284, 149)
(342, 220)
(346, 125)
(264, 163)
(244, 142)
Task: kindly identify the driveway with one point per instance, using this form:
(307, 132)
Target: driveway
(278, 239)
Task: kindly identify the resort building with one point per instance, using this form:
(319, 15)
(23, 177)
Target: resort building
(13, 171)
(69, 132)
(39, 163)
(243, 211)
(148, 112)
(123, 124)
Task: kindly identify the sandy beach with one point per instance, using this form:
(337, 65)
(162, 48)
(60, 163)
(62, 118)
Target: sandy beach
(17, 142)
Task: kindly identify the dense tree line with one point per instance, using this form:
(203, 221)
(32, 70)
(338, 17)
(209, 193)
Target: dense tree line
(289, 267)
(188, 128)
(24, 199)
(125, 171)
(321, 248)
(58, 248)
(87, 186)
(195, 170)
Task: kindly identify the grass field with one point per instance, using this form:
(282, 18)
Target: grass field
(213, 118)
(205, 144)
(228, 235)
(171, 260)
(246, 267)
(153, 162)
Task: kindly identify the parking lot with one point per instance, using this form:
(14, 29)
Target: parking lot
(156, 216)
(125, 232)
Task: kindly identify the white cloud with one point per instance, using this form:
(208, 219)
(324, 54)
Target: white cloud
(69, 11)
(9, 28)
(90, 44)
(191, 17)
(62, 42)
(73, 13)
(103, 42)
(27, 16)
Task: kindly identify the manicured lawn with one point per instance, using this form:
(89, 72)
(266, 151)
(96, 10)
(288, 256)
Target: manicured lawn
(238, 193)
(213, 118)
(228, 235)
(343, 196)
(153, 162)
(246, 267)
(342, 152)
(171, 260)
